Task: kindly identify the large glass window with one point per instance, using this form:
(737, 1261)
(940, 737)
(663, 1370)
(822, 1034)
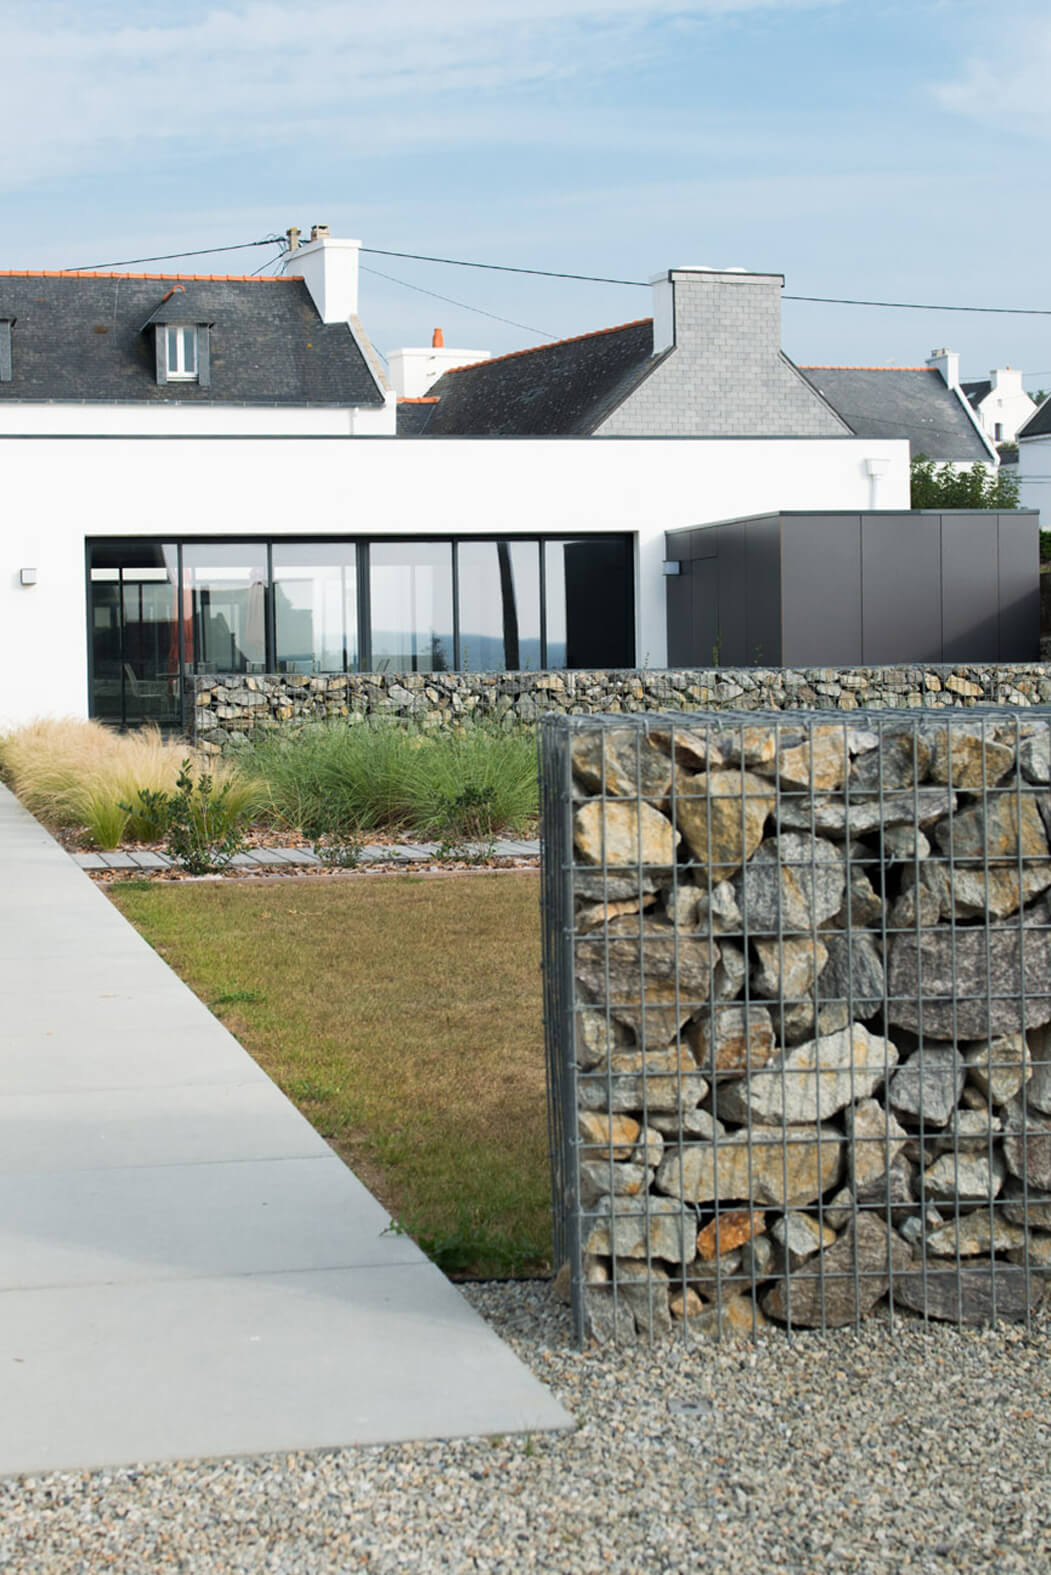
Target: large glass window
(181, 345)
(226, 587)
(411, 599)
(315, 607)
(499, 596)
(589, 602)
(134, 632)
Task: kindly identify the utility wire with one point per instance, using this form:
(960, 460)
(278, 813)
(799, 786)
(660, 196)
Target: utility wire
(549, 273)
(205, 251)
(541, 333)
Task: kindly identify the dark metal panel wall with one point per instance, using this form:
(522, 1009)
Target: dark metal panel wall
(732, 639)
(1019, 563)
(764, 591)
(821, 590)
(970, 621)
(900, 588)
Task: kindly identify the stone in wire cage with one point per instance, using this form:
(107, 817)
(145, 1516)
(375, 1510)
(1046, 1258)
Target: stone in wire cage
(798, 1001)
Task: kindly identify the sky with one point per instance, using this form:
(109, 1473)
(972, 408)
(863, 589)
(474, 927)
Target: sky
(892, 150)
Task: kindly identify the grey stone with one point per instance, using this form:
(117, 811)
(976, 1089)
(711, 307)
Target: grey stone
(645, 1227)
(972, 1236)
(598, 1177)
(1023, 1207)
(844, 1283)
(693, 1123)
(622, 762)
(876, 1140)
(607, 1320)
(1038, 1092)
(926, 1086)
(595, 886)
(831, 816)
(644, 1288)
(780, 1165)
(905, 844)
(787, 968)
(964, 990)
(618, 832)
(731, 1039)
(853, 973)
(638, 1082)
(1034, 757)
(791, 884)
(730, 970)
(800, 1236)
(812, 1081)
(999, 1067)
(903, 757)
(975, 758)
(758, 1258)
(598, 1036)
(656, 976)
(973, 1295)
(964, 1178)
(841, 1209)
(721, 816)
(1027, 1146)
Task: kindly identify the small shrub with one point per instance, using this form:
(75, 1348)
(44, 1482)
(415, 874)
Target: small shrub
(204, 826)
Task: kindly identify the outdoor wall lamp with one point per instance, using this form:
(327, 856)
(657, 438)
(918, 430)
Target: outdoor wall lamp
(671, 566)
(27, 576)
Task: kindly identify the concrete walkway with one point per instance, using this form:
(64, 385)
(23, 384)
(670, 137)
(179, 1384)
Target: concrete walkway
(274, 858)
(186, 1268)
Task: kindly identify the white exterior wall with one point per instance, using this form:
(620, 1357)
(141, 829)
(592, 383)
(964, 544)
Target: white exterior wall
(58, 491)
(171, 419)
(1007, 403)
(1034, 477)
(413, 371)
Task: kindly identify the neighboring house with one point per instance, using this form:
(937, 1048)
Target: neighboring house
(1000, 403)
(202, 475)
(926, 404)
(1034, 462)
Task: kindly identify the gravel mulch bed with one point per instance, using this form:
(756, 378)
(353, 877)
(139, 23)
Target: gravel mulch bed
(927, 1451)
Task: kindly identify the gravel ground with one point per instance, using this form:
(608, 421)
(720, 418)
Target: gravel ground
(928, 1451)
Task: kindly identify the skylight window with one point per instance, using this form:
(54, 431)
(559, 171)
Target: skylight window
(181, 352)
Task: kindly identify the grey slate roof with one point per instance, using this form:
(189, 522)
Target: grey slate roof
(977, 391)
(414, 416)
(910, 402)
(80, 337)
(1039, 423)
(561, 389)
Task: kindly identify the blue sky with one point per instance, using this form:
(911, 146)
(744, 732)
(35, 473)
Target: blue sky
(887, 149)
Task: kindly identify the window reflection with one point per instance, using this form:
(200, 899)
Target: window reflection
(315, 607)
(411, 594)
(499, 584)
(226, 588)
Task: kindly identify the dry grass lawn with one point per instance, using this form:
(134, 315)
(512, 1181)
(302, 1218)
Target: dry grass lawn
(403, 1017)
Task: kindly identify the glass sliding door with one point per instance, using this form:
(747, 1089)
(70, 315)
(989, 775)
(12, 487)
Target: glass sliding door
(411, 606)
(134, 633)
(498, 584)
(225, 584)
(315, 607)
(589, 602)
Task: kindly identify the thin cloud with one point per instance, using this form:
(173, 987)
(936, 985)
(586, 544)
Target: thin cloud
(85, 88)
(1006, 86)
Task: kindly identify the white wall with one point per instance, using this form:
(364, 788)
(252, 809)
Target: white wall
(204, 420)
(58, 491)
(1034, 477)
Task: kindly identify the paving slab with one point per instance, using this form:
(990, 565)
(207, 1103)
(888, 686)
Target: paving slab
(186, 1268)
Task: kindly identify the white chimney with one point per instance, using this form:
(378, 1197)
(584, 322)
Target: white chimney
(413, 371)
(1007, 380)
(330, 270)
(947, 362)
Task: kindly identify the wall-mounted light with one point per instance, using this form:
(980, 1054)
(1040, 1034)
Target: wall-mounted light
(27, 576)
(671, 566)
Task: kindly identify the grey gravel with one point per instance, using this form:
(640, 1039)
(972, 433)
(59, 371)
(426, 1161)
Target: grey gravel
(928, 1450)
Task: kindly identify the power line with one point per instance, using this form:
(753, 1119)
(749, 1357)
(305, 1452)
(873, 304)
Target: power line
(539, 273)
(922, 306)
(205, 251)
(541, 333)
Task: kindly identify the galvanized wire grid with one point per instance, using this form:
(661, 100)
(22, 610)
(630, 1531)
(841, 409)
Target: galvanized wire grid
(798, 1011)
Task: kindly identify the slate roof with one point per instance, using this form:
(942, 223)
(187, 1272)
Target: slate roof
(414, 416)
(1039, 423)
(564, 389)
(977, 391)
(911, 402)
(80, 337)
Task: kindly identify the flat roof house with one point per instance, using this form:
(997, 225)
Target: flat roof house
(203, 475)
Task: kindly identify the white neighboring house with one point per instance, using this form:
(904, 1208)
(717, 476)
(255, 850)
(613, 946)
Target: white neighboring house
(1034, 462)
(200, 477)
(1000, 403)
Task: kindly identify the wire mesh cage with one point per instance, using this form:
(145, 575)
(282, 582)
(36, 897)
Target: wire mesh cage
(798, 1017)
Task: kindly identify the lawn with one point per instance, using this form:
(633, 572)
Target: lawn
(402, 1015)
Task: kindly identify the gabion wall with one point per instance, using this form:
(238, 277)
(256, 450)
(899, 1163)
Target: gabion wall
(798, 1002)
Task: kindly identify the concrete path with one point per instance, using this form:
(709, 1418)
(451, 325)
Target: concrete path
(186, 1268)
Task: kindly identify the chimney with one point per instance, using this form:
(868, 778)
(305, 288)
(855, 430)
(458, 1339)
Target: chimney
(437, 340)
(412, 372)
(947, 362)
(292, 236)
(330, 270)
(696, 301)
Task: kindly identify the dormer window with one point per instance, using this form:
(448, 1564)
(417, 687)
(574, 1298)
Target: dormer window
(181, 352)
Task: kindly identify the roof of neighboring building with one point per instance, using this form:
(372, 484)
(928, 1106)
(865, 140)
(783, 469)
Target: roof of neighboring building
(1039, 423)
(913, 402)
(977, 391)
(414, 415)
(562, 389)
(81, 337)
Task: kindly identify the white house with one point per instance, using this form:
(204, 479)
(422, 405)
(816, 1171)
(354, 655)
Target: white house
(1034, 462)
(1000, 403)
(202, 475)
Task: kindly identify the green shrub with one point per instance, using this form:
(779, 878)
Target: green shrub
(204, 825)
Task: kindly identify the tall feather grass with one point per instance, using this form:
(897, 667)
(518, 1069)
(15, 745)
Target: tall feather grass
(78, 775)
(335, 778)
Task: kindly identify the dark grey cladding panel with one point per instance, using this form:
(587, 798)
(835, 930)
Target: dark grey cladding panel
(81, 338)
(1019, 558)
(821, 590)
(900, 588)
(764, 591)
(970, 620)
